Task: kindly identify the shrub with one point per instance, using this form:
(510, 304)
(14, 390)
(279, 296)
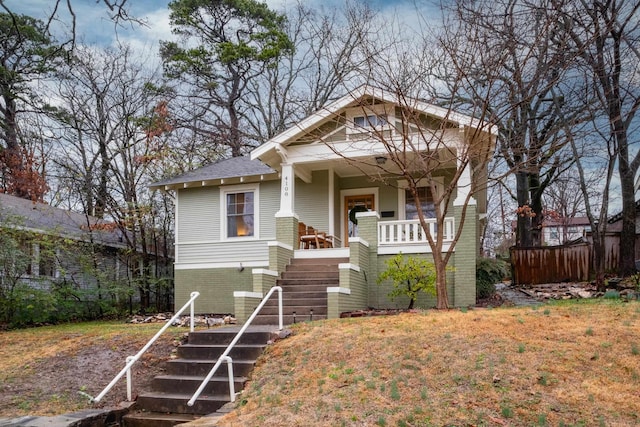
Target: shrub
(489, 271)
(409, 275)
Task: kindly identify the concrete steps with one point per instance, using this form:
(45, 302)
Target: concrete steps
(166, 404)
(304, 291)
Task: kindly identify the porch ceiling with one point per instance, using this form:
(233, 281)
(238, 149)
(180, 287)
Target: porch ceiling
(371, 165)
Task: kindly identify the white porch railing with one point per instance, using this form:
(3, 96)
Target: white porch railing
(133, 359)
(410, 231)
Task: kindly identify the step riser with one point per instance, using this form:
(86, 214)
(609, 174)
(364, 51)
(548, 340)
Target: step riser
(190, 385)
(186, 367)
(289, 286)
(272, 319)
(188, 351)
(201, 407)
(330, 261)
(311, 269)
(299, 310)
(305, 301)
(293, 275)
(139, 420)
(213, 336)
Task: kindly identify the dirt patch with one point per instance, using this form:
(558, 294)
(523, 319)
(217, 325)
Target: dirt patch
(44, 375)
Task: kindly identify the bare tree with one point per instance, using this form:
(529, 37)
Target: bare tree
(518, 47)
(605, 36)
(117, 10)
(112, 134)
(329, 56)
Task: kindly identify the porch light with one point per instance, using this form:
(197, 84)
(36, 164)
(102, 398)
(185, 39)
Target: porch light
(381, 160)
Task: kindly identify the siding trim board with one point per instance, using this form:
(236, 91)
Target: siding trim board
(218, 265)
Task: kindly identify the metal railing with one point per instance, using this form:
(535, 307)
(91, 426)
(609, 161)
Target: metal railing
(225, 355)
(133, 359)
(410, 231)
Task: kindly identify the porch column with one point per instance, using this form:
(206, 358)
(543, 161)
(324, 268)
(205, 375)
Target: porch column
(464, 186)
(287, 191)
(464, 286)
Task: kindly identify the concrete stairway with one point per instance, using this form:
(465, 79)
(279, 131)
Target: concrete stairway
(304, 291)
(166, 404)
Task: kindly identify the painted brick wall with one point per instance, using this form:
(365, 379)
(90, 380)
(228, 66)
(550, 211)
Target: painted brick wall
(464, 293)
(287, 231)
(216, 287)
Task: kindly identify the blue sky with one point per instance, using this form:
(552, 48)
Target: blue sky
(95, 27)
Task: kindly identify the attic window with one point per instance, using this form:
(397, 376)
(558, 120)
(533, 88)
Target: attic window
(370, 121)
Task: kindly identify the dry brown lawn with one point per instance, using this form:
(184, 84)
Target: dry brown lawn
(43, 370)
(572, 364)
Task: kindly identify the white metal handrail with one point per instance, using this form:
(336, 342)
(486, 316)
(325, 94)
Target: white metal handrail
(225, 354)
(133, 359)
(410, 231)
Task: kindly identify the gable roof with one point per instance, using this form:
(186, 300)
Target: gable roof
(242, 168)
(618, 216)
(353, 97)
(46, 219)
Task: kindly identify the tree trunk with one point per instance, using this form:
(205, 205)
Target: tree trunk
(442, 296)
(523, 230)
(627, 265)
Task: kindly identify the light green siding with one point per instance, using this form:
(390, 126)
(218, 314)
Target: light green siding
(198, 214)
(466, 253)
(269, 206)
(312, 201)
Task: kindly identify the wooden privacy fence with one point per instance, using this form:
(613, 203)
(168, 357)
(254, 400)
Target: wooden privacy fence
(551, 264)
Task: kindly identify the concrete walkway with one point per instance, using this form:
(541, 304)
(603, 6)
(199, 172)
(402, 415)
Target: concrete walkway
(514, 296)
(89, 417)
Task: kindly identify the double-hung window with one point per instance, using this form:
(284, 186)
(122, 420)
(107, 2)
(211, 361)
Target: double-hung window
(424, 199)
(408, 203)
(240, 211)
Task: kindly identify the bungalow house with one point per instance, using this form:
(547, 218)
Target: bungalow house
(80, 255)
(238, 221)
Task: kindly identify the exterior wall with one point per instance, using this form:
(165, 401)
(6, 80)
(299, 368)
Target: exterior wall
(199, 226)
(195, 206)
(216, 287)
(247, 252)
(312, 201)
(210, 266)
(558, 235)
(269, 205)
(466, 252)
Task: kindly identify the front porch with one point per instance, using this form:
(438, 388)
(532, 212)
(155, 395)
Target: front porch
(376, 241)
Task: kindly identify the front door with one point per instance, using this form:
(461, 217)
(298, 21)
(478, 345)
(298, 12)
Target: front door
(353, 204)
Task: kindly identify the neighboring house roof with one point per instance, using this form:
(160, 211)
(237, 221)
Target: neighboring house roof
(43, 218)
(617, 217)
(235, 167)
(577, 221)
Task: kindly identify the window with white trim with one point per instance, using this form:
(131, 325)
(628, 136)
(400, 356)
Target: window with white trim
(370, 121)
(362, 122)
(239, 211)
(425, 199)
(407, 203)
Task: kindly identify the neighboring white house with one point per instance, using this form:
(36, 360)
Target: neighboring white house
(237, 220)
(564, 230)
